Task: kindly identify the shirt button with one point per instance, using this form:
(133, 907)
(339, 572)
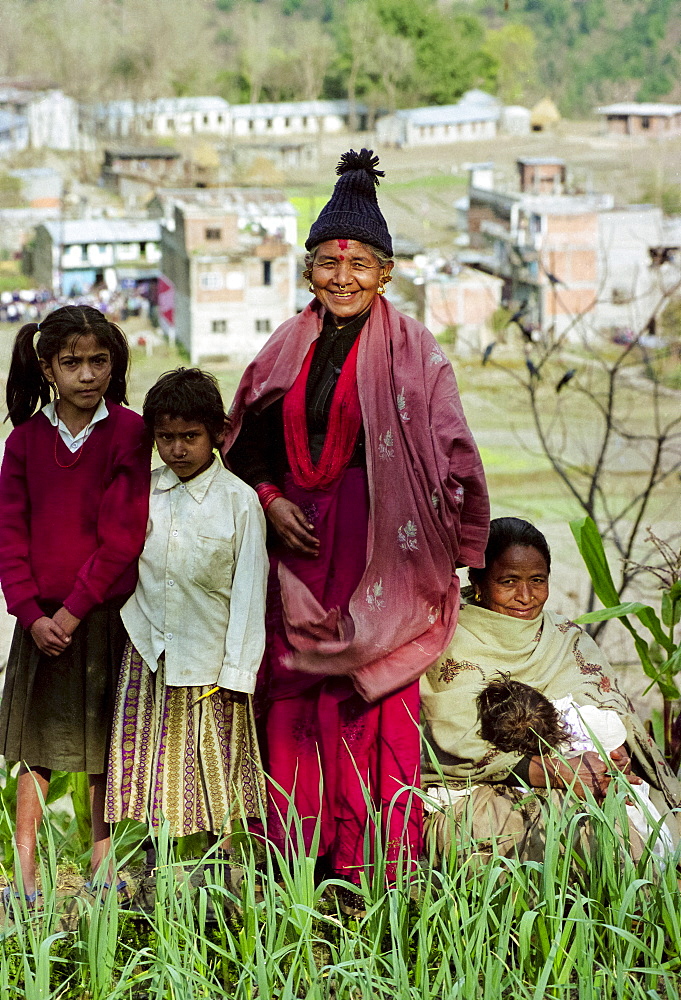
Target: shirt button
(171, 583)
(175, 534)
(182, 486)
(169, 635)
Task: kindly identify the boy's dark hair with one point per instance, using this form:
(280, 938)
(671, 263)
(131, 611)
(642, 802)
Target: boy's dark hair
(505, 532)
(516, 718)
(190, 394)
(27, 385)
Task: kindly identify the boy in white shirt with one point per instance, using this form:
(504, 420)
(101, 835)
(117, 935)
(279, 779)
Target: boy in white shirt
(184, 747)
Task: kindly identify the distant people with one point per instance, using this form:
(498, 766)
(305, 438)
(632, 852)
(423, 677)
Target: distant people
(473, 773)
(184, 747)
(74, 491)
(349, 426)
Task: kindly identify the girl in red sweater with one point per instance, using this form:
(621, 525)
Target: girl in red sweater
(74, 490)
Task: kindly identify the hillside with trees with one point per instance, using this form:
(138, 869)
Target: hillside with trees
(388, 53)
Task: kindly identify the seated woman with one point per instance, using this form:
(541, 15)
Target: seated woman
(505, 630)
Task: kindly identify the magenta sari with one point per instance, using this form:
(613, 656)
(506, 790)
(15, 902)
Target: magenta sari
(319, 732)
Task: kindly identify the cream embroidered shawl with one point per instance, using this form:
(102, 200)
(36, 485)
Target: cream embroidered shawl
(551, 654)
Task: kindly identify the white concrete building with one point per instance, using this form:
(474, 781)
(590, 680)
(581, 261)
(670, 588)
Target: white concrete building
(71, 255)
(295, 117)
(224, 289)
(165, 117)
(476, 116)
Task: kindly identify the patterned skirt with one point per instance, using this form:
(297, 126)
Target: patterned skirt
(193, 763)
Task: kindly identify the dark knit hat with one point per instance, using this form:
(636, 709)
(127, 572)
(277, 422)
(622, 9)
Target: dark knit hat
(352, 213)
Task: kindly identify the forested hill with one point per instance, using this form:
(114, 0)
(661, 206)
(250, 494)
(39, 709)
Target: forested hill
(388, 53)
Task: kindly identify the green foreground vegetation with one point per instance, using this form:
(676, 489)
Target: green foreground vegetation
(571, 928)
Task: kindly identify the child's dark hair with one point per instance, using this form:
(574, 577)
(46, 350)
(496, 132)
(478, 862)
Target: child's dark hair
(190, 394)
(516, 718)
(505, 532)
(27, 386)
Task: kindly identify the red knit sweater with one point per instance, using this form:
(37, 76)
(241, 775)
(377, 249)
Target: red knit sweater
(72, 535)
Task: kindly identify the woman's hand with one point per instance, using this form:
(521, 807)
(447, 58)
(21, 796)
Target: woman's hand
(293, 527)
(578, 773)
(622, 761)
(49, 636)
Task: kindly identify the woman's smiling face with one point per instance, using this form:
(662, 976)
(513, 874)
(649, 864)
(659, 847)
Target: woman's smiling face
(346, 277)
(516, 584)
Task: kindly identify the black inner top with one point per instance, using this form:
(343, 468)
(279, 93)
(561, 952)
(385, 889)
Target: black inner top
(259, 454)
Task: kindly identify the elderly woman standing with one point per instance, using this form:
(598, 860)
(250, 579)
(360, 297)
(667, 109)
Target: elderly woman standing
(506, 631)
(349, 426)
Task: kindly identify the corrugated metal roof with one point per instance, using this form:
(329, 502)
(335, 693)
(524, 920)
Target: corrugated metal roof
(541, 161)
(104, 231)
(243, 200)
(632, 108)
(163, 105)
(289, 108)
(450, 114)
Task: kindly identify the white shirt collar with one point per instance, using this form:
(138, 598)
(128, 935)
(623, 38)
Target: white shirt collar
(73, 442)
(197, 487)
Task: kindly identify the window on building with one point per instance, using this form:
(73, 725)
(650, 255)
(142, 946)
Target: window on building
(287, 122)
(205, 119)
(218, 326)
(211, 281)
(645, 122)
(263, 326)
(220, 119)
(269, 123)
(267, 272)
(213, 234)
(170, 124)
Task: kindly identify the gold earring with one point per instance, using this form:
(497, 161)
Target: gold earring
(476, 597)
(311, 287)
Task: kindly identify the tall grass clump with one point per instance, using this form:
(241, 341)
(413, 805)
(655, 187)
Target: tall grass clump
(588, 923)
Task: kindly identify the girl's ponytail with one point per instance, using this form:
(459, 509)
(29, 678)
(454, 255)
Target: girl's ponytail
(27, 386)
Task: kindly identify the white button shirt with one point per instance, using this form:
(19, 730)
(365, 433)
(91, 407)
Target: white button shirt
(202, 581)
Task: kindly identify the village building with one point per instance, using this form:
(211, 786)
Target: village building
(225, 286)
(632, 118)
(296, 118)
(165, 117)
(13, 132)
(73, 255)
(35, 196)
(544, 246)
(462, 303)
(257, 210)
(260, 156)
(170, 117)
(49, 118)
(134, 172)
(40, 187)
(476, 116)
(575, 263)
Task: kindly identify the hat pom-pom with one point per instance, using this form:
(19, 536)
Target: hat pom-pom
(364, 160)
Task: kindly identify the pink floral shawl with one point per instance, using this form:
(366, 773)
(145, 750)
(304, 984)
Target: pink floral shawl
(428, 498)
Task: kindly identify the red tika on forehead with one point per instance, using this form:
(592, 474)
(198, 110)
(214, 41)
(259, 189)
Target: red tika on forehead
(343, 244)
